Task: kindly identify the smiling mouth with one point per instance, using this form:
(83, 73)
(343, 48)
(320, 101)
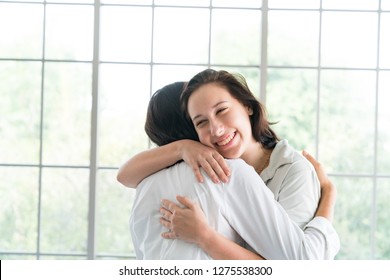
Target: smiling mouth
(226, 141)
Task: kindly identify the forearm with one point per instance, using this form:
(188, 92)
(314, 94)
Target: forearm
(132, 172)
(221, 248)
(327, 202)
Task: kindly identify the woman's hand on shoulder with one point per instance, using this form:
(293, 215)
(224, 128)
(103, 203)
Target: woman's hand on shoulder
(325, 182)
(197, 155)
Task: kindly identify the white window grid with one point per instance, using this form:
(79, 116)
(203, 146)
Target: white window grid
(263, 66)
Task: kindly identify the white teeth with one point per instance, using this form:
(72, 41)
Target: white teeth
(226, 140)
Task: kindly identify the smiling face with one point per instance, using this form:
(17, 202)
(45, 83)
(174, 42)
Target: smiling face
(221, 121)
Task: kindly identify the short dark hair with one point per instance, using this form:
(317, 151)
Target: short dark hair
(165, 122)
(236, 85)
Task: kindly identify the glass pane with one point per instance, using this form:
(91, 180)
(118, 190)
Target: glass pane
(350, 4)
(24, 39)
(67, 113)
(347, 120)
(62, 257)
(200, 3)
(167, 74)
(33, 1)
(383, 124)
(72, 1)
(114, 204)
(383, 222)
(126, 33)
(296, 4)
(20, 89)
(128, 2)
(125, 93)
(293, 38)
(233, 43)
(64, 210)
(239, 4)
(349, 39)
(18, 208)
(69, 32)
(385, 5)
(292, 103)
(5, 256)
(181, 35)
(384, 54)
(352, 219)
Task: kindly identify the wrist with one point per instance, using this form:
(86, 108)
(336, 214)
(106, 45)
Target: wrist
(206, 238)
(180, 148)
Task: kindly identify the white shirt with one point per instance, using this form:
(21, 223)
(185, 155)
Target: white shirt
(294, 183)
(243, 208)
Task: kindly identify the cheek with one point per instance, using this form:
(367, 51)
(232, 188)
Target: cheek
(203, 135)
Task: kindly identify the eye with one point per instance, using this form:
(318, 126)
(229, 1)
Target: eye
(221, 110)
(200, 123)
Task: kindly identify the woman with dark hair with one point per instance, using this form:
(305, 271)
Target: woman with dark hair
(231, 123)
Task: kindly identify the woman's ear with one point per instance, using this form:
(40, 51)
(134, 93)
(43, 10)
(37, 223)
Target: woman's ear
(250, 111)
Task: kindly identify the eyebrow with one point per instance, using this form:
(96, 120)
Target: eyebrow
(216, 105)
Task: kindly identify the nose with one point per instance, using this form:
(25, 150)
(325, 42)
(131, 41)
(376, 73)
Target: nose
(216, 128)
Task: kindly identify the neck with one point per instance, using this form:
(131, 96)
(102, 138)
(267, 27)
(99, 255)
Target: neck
(256, 156)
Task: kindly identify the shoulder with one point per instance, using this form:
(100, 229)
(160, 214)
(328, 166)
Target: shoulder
(243, 174)
(175, 172)
(239, 167)
(285, 157)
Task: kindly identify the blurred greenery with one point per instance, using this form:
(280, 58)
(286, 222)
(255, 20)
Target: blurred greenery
(332, 110)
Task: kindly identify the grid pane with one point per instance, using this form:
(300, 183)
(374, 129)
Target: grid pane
(287, 47)
(296, 4)
(296, 118)
(194, 3)
(18, 208)
(347, 120)
(351, 4)
(24, 39)
(353, 217)
(349, 39)
(239, 4)
(69, 39)
(72, 1)
(383, 124)
(128, 2)
(385, 5)
(114, 204)
(64, 213)
(383, 222)
(67, 113)
(181, 35)
(126, 34)
(167, 74)
(384, 54)
(20, 90)
(124, 97)
(230, 41)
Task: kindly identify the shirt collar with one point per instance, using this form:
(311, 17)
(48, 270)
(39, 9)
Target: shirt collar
(281, 155)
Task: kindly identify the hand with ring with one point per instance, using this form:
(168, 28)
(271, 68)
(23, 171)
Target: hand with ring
(187, 223)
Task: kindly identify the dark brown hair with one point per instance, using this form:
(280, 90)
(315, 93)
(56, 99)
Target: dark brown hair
(236, 85)
(165, 122)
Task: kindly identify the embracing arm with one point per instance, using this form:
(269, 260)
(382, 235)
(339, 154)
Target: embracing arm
(259, 219)
(192, 152)
(140, 166)
(209, 240)
(328, 190)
